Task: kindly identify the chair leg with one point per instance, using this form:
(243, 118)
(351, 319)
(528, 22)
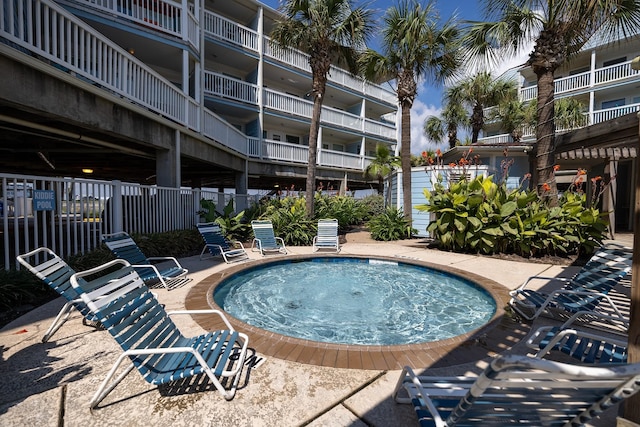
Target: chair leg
(62, 317)
(103, 390)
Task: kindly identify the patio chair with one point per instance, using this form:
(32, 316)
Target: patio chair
(218, 245)
(587, 347)
(52, 270)
(518, 389)
(166, 271)
(150, 340)
(583, 292)
(265, 240)
(327, 237)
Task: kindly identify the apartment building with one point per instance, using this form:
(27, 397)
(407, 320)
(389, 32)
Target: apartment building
(239, 107)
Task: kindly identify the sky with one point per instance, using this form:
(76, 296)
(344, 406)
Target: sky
(428, 102)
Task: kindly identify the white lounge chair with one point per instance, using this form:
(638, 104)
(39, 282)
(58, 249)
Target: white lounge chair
(518, 389)
(217, 244)
(265, 240)
(327, 237)
(150, 341)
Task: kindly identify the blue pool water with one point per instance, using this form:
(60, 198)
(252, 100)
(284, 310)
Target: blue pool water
(355, 301)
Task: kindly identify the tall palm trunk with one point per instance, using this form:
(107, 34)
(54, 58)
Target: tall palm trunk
(545, 137)
(313, 154)
(405, 159)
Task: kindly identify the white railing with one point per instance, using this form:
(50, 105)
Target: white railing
(161, 15)
(340, 160)
(612, 113)
(602, 76)
(278, 150)
(301, 107)
(300, 60)
(599, 116)
(496, 139)
(287, 103)
(225, 29)
(227, 87)
(63, 39)
(70, 215)
(341, 118)
(379, 129)
(219, 130)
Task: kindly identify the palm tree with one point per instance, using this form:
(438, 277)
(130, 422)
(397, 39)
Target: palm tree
(381, 166)
(479, 91)
(454, 116)
(414, 46)
(559, 30)
(329, 31)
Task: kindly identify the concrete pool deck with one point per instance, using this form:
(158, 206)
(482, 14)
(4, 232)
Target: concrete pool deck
(51, 384)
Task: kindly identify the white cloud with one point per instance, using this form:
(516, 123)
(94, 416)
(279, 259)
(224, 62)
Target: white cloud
(419, 114)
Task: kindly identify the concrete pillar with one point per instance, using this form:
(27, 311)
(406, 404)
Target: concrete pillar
(241, 191)
(168, 165)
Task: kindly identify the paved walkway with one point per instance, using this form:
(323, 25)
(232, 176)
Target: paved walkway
(51, 384)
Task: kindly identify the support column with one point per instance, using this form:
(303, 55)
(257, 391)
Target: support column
(241, 190)
(168, 165)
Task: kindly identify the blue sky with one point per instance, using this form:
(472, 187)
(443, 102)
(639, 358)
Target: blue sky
(429, 98)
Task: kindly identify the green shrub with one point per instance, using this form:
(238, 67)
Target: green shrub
(371, 206)
(480, 216)
(290, 222)
(21, 287)
(390, 225)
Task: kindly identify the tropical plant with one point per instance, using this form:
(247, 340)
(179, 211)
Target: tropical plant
(381, 166)
(480, 216)
(558, 30)
(414, 46)
(330, 31)
(390, 225)
(234, 226)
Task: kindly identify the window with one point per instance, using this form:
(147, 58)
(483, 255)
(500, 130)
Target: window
(578, 71)
(614, 61)
(293, 139)
(276, 137)
(612, 104)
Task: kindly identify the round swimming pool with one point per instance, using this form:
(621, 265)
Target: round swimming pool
(360, 301)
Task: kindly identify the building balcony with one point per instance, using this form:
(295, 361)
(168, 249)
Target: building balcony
(596, 117)
(165, 16)
(600, 77)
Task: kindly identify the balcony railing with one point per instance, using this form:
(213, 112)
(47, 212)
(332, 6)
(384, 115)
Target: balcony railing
(601, 76)
(161, 15)
(300, 60)
(227, 87)
(227, 30)
(599, 116)
(43, 29)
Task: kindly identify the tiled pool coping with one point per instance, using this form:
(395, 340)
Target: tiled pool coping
(342, 355)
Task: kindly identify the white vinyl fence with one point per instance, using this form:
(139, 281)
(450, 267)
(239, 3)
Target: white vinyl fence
(70, 215)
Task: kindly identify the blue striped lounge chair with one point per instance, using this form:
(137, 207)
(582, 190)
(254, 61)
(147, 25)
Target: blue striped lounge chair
(518, 389)
(217, 244)
(585, 291)
(150, 340)
(580, 344)
(165, 271)
(56, 273)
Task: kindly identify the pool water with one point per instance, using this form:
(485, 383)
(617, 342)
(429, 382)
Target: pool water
(355, 301)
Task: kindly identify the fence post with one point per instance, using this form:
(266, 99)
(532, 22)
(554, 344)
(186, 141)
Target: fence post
(117, 212)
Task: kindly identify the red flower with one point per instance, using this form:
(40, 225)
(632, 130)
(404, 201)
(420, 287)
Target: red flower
(546, 187)
(556, 167)
(438, 152)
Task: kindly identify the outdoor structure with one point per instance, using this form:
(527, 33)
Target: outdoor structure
(187, 93)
